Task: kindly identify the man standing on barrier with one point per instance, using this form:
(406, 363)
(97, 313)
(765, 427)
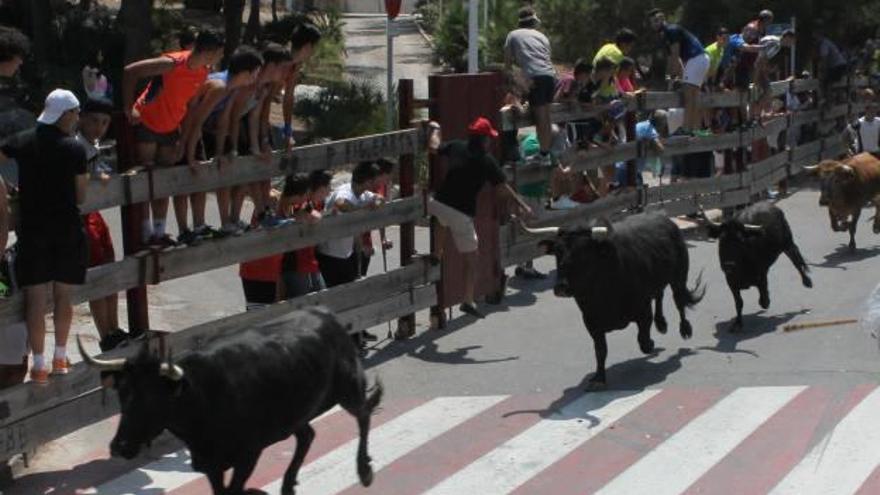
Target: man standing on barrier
(454, 205)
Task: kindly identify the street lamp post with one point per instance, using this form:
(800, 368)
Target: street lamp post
(473, 36)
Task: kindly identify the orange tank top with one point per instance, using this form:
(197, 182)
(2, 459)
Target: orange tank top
(163, 104)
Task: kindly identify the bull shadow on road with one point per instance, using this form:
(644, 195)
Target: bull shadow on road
(843, 256)
(754, 325)
(626, 378)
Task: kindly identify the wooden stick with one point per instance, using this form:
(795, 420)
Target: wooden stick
(817, 324)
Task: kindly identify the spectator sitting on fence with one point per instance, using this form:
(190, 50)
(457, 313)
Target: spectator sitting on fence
(207, 124)
(303, 43)
(623, 44)
(831, 63)
(454, 204)
(530, 50)
(569, 85)
(52, 246)
(301, 272)
(93, 124)
(158, 113)
(598, 88)
(770, 47)
(625, 77)
(584, 189)
(381, 188)
(247, 107)
(716, 52)
(14, 47)
(688, 60)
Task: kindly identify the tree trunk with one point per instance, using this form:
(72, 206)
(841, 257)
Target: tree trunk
(137, 24)
(274, 10)
(252, 31)
(232, 11)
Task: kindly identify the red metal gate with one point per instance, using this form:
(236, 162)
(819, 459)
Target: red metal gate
(455, 101)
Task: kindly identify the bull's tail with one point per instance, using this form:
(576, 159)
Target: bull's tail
(374, 396)
(692, 297)
(797, 258)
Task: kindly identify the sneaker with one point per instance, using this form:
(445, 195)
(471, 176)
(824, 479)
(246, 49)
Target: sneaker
(162, 242)
(189, 238)
(470, 309)
(40, 377)
(60, 366)
(243, 226)
(528, 272)
(703, 133)
(205, 232)
(269, 219)
(563, 203)
(682, 132)
(233, 229)
(369, 337)
(113, 339)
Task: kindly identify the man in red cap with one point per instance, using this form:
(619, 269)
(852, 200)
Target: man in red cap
(455, 202)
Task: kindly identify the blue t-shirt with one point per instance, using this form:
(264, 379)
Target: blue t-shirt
(688, 44)
(735, 42)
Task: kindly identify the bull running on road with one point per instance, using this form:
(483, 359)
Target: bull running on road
(238, 396)
(614, 272)
(846, 187)
(748, 245)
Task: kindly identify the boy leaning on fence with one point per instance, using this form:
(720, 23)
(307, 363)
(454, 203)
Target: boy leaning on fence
(52, 246)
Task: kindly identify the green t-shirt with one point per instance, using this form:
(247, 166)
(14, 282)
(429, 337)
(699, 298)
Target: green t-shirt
(609, 51)
(714, 52)
(528, 148)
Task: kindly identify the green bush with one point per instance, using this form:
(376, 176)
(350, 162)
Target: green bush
(327, 63)
(451, 41)
(430, 16)
(343, 109)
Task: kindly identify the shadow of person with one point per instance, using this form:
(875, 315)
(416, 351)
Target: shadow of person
(842, 256)
(628, 378)
(754, 326)
(429, 352)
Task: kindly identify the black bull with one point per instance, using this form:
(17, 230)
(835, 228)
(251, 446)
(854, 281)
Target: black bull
(230, 401)
(614, 272)
(748, 245)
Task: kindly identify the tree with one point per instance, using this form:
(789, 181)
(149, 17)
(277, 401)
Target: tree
(135, 18)
(232, 11)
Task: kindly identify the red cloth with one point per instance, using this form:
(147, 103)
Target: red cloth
(266, 269)
(100, 243)
(163, 103)
(581, 196)
(625, 85)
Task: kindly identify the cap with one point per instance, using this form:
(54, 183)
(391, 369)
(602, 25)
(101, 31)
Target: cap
(765, 14)
(58, 102)
(482, 127)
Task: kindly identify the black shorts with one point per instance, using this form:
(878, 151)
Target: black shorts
(542, 92)
(144, 134)
(52, 254)
(338, 271)
(258, 292)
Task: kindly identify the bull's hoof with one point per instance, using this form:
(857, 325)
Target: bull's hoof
(852, 247)
(764, 302)
(808, 282)
(661, 325)
(686, 330)
(365, 473)
(647, 346)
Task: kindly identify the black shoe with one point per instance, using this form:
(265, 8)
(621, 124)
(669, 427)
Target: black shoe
(470, 309)
(113, 340)
(189, 238)
(529, 273)
(162, 242)
(369, 337)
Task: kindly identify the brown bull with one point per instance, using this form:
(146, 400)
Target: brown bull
(847, 186)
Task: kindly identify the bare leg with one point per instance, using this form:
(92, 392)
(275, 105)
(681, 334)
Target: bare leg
(63, 314)
(146, 157)
(543, 126)
(692, 115)
(113, 310)
(100, 313)
(470, 268)
(164, 158)
(238, 194)
(35, 315)
(199, 201)
(181, 213)
(224, 199)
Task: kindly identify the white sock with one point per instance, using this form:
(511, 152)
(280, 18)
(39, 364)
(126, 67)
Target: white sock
(39, 362)
(60, 352)
(158, 228)
(147, 229)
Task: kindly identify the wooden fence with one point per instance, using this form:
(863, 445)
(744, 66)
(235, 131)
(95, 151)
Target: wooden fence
(30, 416)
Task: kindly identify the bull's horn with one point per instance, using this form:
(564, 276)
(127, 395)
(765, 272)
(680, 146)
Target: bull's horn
(541, 231)
(811, 168)
(101, 364)
(599, 233)
(753, 228)
(171, 371)
(708, 220)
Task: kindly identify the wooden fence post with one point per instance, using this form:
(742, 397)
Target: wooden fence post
(132, 220)
(406, 325)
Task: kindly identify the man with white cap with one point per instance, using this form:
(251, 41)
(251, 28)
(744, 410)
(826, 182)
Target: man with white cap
(51, 240)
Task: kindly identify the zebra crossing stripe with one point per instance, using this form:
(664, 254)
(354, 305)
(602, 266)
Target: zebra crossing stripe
(844, 461)
(682, 459)
(527, 454)
(336, 471)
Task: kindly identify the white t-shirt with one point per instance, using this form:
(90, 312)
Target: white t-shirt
(531, 52)
(343, 248)
(869, 131)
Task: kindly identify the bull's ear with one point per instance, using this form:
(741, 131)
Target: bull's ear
(713, 230)
(548, 246)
